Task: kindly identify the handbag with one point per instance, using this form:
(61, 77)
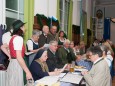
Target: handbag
(30, 82)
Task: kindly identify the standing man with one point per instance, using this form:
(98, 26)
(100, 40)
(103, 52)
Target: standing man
(53, 33)
(45, 37)
(99, 75)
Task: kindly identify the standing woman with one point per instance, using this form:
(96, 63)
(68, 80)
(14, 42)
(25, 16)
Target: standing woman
(62, 38)
(17, 63)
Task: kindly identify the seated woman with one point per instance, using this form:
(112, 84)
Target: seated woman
(39, 68)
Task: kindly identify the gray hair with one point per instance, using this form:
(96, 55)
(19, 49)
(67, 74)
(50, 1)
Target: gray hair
(35, 32)
(53, 41)
(104, 48)
(66, 41)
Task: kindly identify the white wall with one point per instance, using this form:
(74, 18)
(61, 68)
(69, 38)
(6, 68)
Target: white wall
(46, 7)
(53, 8)
(76, 12)
(2, 12)
(109, 11)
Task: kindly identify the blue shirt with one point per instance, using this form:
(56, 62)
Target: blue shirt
(85, 63)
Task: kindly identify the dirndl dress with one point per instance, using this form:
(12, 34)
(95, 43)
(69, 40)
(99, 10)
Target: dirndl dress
(14, 74)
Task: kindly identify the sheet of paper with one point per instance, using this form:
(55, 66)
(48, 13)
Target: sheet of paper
(28, 53)
(81, 69)
(48, 80)
(61, 75)
(64, 68)
(46, 45)
(72, 78)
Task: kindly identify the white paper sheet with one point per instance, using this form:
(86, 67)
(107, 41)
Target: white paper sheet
(64, 68)
(28, 53)
(49, 80)
(46, 45)
(72, 78)
(81, 69)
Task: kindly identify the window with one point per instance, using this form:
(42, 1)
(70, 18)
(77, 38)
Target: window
(14, 10)
(64, 14)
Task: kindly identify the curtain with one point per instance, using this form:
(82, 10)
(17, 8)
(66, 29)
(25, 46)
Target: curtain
(85, 28)
(70, 20)
(29, 18)
(83, 25)
(107, 31)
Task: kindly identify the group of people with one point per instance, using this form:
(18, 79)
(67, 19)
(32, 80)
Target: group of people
(48, 60)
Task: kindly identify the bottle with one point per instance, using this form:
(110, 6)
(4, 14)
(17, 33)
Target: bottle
(30, 82)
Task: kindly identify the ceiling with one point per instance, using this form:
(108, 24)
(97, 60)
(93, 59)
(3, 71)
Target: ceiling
(105, 2)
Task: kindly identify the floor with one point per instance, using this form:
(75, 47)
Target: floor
(113, 82)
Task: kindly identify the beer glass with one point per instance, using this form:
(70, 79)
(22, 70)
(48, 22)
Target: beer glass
(72, 67)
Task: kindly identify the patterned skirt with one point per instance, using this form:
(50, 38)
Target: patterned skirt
(14, 74)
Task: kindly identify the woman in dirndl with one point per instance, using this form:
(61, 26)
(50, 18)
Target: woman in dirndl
(14, 75)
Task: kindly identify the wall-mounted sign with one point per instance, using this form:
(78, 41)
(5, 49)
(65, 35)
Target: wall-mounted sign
(99, 14)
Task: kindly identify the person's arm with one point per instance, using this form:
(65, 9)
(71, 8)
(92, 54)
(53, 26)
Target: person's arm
(54, 73)
(18, 44)
(22, 64)
(5, 49)
(30, 47)
(36, 50)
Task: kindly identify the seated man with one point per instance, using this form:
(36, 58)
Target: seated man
(83, 62)
(99, 75)
(53, 60)
(64, 53)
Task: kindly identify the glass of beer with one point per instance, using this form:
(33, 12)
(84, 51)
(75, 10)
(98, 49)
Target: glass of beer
(72, 67)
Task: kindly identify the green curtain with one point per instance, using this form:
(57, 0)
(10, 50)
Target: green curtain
(84, 27)
(29, 18)
(70, 20)
(58, 11)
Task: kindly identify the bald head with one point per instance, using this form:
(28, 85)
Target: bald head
(45, 29)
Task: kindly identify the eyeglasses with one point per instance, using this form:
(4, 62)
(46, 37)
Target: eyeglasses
(89, 55)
